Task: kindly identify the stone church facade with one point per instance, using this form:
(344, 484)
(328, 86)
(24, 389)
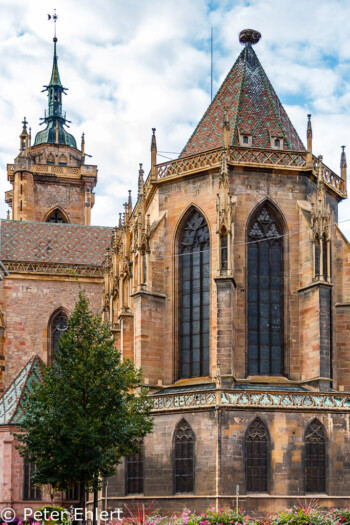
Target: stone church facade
(228, 282)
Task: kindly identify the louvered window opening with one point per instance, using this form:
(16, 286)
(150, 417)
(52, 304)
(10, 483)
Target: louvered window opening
(194, 297)
(265, 296)
(184, 458)
(257, 457)
(31, 492)
(134, 473)
(57, 217)
(315, 458)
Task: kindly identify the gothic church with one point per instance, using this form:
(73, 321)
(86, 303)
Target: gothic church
(228, 282)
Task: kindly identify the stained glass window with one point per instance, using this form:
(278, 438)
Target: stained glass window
(265, 294)
(183, 455)
(315, 458)
(256, 445)
(194, 297)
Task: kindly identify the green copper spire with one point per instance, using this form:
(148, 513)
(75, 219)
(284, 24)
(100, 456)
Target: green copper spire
(55, 118)
(55, 76)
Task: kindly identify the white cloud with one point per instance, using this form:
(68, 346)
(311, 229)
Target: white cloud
(134, 65)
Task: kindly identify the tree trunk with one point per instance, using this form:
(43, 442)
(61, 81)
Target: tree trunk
(82, 502)
(94, 518)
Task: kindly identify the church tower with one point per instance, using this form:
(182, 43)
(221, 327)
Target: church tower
(50, 180)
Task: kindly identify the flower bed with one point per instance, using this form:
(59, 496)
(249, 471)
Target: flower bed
(297, 516)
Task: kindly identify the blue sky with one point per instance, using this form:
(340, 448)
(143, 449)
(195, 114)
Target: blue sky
(131, 65)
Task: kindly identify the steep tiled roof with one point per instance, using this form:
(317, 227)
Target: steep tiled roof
(53, 243)
(11, 402)
(252, 107)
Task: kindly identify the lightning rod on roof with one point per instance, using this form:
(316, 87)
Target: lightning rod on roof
(211, 64)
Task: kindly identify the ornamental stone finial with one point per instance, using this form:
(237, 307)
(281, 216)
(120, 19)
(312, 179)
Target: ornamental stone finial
(249, 36)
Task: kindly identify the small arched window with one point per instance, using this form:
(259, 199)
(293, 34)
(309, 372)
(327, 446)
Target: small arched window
(194, 296)
(265, 292)
(62, 161)
(315, 458)
(56, 216)
(256, 446)
(245, 139)
(134, 471)
(58, 325)
(184, 457)
(50, 159)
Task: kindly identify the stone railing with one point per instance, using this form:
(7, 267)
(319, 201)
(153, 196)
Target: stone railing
(267, 157)
(190, 164)
(240, 156)
(52, 169)
(251, 399)
(9, 196)
(330, 178)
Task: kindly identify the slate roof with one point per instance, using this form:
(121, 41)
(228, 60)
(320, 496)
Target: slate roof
(53, 243)
(252, 106)
(11, 402)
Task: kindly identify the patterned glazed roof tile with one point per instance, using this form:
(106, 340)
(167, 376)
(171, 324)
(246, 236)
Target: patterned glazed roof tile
(252, 107)
(11, 402)
(53, 243)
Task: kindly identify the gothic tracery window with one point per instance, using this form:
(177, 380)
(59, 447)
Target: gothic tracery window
(315, 458)
(184, 457)
(256, 446)
(194, 296)
(265, 294)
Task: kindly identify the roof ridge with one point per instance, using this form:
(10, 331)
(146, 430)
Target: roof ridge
(240, 93)
(210, 103)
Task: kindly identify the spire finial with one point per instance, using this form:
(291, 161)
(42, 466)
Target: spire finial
(249, 36)
(129, 203)
(343, 166)
(54, 18)
(83, 144)
(141, 183)
(24, 122)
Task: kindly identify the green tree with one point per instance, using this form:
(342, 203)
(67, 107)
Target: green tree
(85, 415)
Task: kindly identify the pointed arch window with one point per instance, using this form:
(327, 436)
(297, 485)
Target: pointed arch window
(194, 296)
(256, 446)
(184, 457)
(315, 458)
(58, 325)
(56, 216)
(265, 293)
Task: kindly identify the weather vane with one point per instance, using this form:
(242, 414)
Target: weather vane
(54, 18)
